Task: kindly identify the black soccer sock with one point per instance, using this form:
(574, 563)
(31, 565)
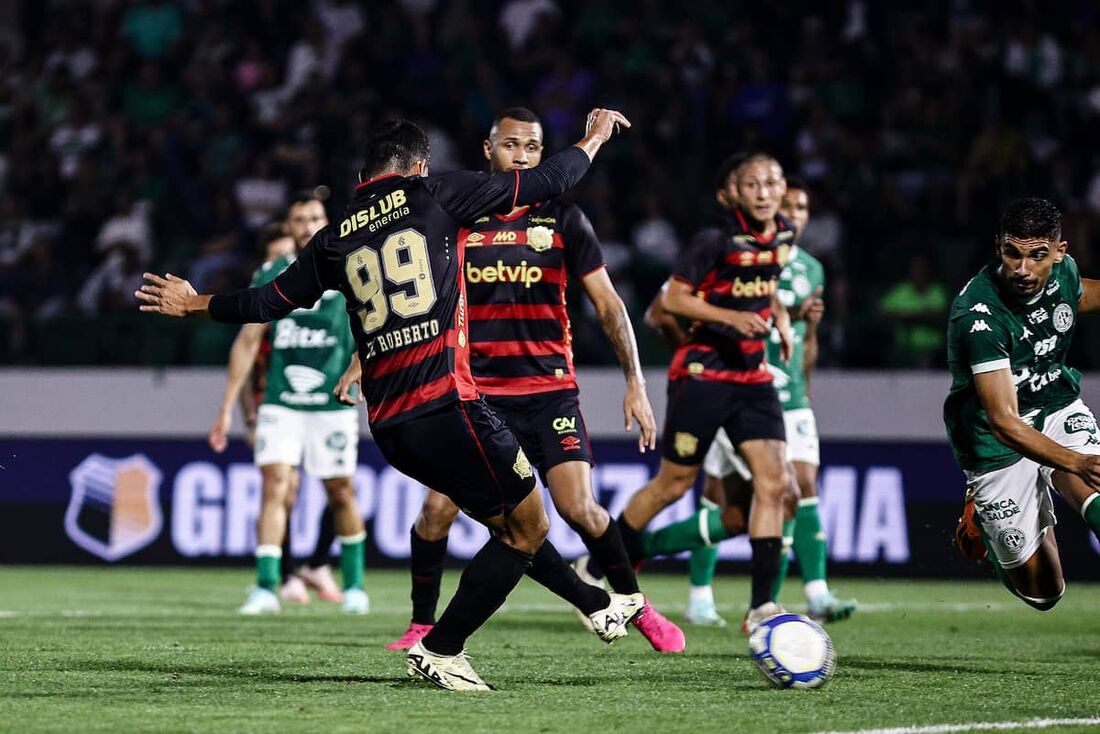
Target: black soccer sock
(632, 541)
(485, 584)
(610, 552)
(427, 573)
(550, 569)
(765, 568)
(326, 534)
(286, 562)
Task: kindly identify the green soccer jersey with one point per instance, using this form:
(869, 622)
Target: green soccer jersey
(987, 331)
(800, 279)
(310, 349)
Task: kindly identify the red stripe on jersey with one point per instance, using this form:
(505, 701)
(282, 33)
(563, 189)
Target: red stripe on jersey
(369, 181)
(740, 377)
(515, 196)
(681, 279)
(393, 362)
(601, 266)
(283, 295)
(463, 374)
(414, 398)
(755, 236)
(518, 349)
(751, 347)
(517, 311)
(481, 450)
(515, 213)
(525, 385)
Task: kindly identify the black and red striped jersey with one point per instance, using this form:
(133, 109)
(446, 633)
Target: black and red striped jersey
(517, 267)
(730, 267)
(397, 258)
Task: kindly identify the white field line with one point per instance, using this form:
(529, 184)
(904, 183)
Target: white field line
(975, 726)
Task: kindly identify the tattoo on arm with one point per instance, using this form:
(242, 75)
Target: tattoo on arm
(616, 324)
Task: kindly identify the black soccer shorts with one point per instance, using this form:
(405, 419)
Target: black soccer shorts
(698, 408)
(549, 426)
(464, 451)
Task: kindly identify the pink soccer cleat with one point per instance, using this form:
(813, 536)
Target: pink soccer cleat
(661, 632)
(320, 580)
(414, 634)
(293, 590)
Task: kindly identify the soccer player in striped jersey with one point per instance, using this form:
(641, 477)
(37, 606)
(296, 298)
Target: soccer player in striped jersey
(727, 285)
(397, 257)
(517, 267)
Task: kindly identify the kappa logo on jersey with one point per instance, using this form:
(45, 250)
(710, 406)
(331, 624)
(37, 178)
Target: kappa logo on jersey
(980, 325)
(540, 239)
(1026, 333)
(570, 443)
(114, 509)
(1063, 317)
(501, 273)
(564, 424)
(1080, 422)
(685, 444)
(980, 308)
(522, 467)
(1037, 316)
(288, 335)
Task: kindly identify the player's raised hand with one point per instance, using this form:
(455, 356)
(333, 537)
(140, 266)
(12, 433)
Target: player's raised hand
(218, 438)
(747, 323)
(169, 295)
(603, 123)
(636, 407)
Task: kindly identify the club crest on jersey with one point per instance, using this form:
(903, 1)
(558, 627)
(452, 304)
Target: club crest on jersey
(540, 238)
(522, 467)
(1063, 317)
(114, 508)
(685, 444)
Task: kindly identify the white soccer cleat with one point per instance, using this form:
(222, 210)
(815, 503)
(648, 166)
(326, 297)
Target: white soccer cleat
(452, 672)
(260, 601)
(356, 601)
(580, 567)
(294, 590)
(759, 614)
(703, 613)
(613, 621)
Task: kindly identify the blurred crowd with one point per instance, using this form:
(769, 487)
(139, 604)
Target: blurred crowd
(165, 134)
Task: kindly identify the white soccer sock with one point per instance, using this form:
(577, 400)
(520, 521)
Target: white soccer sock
(701, 594)
(817, 588)
(271, 551)
(349, 539)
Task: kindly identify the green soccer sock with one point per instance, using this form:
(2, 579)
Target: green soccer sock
(267, 566)
(809, 541)
(351, 559)
(790, 532)
(1090, 510)
(703, 560)
(698, 531)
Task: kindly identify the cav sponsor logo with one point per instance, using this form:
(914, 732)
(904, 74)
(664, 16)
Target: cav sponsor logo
(540, 239)
(1063, 317)
(1080, 422)
(564, 424)
(114, 509)
(522, 467)
(570, 443)
(685, 444)
(1011, 539)
(501, 273)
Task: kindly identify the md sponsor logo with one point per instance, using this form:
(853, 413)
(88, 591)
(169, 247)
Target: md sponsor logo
(114, 507)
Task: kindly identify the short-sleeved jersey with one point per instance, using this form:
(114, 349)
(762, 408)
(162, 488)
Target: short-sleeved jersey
(730, 268)
(517, 267)
(799, 281)
(988, 331)
(308, 350)
(396, 257)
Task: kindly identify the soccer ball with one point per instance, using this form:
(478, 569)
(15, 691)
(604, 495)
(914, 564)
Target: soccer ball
(792, 652)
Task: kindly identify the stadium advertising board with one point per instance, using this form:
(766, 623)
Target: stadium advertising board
(887, 508)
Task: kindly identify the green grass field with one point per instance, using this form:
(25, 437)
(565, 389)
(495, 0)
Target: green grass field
(121, 650)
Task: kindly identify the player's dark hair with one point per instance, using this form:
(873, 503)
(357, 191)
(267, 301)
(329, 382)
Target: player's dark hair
(734, 163)
(520, 114)
(394, 145)
(1032, 218)
(269, 233)
(304, 196)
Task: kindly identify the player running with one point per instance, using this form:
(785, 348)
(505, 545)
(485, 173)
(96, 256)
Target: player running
(1014, 415)
(299, 422)
(397, 257)
(728, 482)
(718, 377)
(517, 268)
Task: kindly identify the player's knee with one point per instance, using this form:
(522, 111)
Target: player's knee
(673, 485)
(586, 517)
(341, 493)
(772, 487)
(433, 524)
(529, 534)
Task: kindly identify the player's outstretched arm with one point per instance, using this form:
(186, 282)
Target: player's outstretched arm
(682, 301)
(171, 296)
(660, 320)
(615, 322)
(242, 356)
(997, 394)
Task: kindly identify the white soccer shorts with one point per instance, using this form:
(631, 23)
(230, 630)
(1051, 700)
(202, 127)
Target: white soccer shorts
(324, 442)
(802, 445)
(1014, 504)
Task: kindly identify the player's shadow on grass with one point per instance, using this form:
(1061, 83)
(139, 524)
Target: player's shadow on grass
(245, 672)
(907, 665)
